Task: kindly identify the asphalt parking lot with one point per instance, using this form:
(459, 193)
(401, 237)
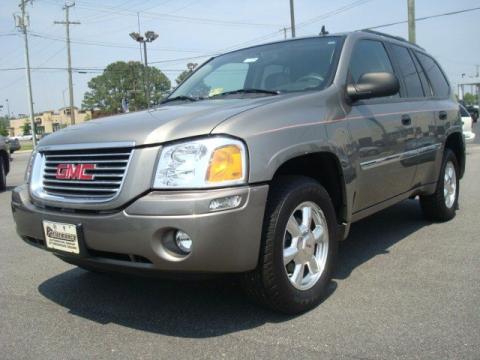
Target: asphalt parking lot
(404, 288)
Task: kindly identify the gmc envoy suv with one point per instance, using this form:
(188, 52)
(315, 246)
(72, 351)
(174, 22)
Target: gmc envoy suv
(258, 163)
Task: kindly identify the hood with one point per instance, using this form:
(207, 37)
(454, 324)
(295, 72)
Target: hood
(166, 123)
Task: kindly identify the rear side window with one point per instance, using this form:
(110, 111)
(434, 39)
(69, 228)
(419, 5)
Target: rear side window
(413, 86)
(369, 56)
(435, 75)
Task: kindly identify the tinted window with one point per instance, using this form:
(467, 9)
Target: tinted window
(413, 86)
(464, 112)
(369, 56)
(435, 75)
(425, 83)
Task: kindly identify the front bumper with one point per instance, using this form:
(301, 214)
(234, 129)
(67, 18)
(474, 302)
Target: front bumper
(136, 238)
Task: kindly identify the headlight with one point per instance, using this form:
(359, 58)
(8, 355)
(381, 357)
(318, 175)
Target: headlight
(28, 171)
(211, 162)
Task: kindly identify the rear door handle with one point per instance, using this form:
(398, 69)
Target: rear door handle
(406, 120)
(443, 115)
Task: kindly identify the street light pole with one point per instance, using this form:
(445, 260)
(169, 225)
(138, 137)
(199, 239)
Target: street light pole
(150, 36)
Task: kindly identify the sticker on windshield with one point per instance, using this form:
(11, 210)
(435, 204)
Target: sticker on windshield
(250, 60)
(215, 91)
(331, 42)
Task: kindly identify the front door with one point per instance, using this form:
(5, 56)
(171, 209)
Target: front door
(382, 133)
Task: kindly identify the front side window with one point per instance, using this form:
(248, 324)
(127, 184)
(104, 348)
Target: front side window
(413, 86)
(435, 75)
(298, 65)
(369, 56)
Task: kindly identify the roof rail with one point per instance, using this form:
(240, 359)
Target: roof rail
(391, 36)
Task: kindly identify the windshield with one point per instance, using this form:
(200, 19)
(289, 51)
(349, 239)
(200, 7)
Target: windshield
(299, 65)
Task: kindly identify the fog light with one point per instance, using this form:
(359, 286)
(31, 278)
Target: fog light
(228, 202)
(183, 241)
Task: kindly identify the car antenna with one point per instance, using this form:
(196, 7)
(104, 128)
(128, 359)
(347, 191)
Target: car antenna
(323, 32)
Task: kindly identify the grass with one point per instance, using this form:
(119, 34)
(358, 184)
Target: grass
(26, 145)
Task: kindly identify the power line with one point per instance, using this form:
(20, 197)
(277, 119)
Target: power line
(426, 18)
(106, 44)
(168, 17)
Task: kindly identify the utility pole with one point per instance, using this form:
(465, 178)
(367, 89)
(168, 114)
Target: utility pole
(150, 36)
(139, 31)
(412, 37)
(292, 18)
(285, 33)
(8, 107)
(67, 24)
(22, 23)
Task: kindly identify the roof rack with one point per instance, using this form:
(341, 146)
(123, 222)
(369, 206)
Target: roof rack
(391, 37)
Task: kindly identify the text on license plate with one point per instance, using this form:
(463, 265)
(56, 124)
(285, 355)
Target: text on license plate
(60, 236)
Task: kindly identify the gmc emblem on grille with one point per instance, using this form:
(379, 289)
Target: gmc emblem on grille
(74, 171)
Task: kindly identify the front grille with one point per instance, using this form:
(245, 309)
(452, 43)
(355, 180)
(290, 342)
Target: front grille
(110, 166)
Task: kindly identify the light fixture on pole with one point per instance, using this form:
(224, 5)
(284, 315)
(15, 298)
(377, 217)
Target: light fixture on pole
(149, 37)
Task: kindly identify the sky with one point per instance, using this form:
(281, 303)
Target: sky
(197, 29)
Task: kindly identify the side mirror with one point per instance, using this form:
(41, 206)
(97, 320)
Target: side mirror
(372, 85)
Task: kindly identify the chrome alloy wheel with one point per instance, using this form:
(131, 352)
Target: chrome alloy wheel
(450, 185)
(305, 245)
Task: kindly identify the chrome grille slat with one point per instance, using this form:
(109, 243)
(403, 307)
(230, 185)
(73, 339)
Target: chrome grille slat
(86, 161)
(97, 175)
(103, 182)
(108, 175)
(71, 188)
(99, 168)
(88, 155)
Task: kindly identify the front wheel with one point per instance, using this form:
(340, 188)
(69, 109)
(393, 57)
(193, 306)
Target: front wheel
(442, 205)
(299, 244)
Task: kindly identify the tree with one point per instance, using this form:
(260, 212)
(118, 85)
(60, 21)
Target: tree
(125, 80)
(4, 125)
(186, 73)
(26, 128)
(183, 75)
(470, 99)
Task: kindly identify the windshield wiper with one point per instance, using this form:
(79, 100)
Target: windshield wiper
(247, 91)
(180, 98)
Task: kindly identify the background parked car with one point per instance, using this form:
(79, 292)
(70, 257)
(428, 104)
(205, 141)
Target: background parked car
(473, 112)
(467, 120)
(14, 144)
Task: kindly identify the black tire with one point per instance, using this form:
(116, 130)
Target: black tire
(3, 175)
(434, 206)
(269, 283)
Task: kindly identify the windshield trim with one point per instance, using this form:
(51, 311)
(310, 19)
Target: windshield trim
(329, 80)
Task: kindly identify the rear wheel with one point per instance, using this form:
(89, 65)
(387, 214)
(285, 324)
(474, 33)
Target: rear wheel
(442, 205)
(299, 244)
(3, 175)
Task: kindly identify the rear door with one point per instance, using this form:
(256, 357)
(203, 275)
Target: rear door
(418, 107)
(444, 113)
(383, 137)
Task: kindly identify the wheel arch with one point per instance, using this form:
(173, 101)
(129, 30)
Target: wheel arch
(325, 167)
(456, 143)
